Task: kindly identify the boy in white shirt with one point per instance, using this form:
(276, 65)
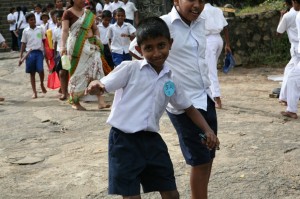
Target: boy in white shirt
(38, 13)
(107, 6)
(103, 29)
(32, 41)
(131, 12)
(116, 4)
(137, 153)
(120, 35)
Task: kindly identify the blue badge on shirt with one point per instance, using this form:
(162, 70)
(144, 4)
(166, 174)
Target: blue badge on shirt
(169, 88)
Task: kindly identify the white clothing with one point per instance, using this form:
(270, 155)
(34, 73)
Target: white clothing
(120, 44)
(12, 26)
(33, 38)
(108, 7)
(293, 89)
(38, 20)
(140, 100)
(56, 37)
(1, 39)
(130, 9)
(214, 46)
(20, 23)
(103, 33)
(187, 59)
(114, 5)
(214, 19)
(98, 8)
(289, 24)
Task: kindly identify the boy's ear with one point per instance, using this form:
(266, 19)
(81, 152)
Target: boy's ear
(137, 48)
(171, 42)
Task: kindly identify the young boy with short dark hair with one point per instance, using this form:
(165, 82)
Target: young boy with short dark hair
(137, 153)
(32, 41)
(120, 35)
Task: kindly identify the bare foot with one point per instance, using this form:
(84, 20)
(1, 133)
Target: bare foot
(34, 96)
(78, 107)
(283, 103)
(102, 106)
(218, 102)
(63, 97)
(289, 114)
(2, 99)
(43, 88)
(59, 91)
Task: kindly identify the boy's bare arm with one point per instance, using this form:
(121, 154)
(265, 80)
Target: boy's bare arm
(212, 140)
(23, 46)
(95, 88)
(227, 41)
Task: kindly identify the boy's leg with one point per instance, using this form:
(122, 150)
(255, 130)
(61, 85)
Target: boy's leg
(194, 151)
(40, 68)
(63, 76)
(32, 81)
(101, 102)
(170, 194)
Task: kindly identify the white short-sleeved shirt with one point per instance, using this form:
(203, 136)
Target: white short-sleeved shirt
(108, 7)
(33, 38)
(187, 59)
(57, 37)
(103, 33)
(22, 21)
(120, 44)
(11, 17)
(114, 5)
(38, 20)
(288, 24)
(99, 7)
(130, 9)
(140, 100)
(1, 39)
(214, 19)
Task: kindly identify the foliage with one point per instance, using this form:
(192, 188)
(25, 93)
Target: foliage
(265, 6)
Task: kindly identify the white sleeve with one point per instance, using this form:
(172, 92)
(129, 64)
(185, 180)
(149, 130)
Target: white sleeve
(1, 38)
(132, 49)
(98, 7)
(131, 28)
(282, 26)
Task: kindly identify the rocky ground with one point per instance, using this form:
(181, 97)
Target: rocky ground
(48, 150)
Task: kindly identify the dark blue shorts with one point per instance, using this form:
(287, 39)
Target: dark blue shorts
(136, 159)
(118, 58)
(35, 62)
(57, 61)
(194, 151)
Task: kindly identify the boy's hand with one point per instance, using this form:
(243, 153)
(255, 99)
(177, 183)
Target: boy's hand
(211, 140)
(95, 88)
(20, 61)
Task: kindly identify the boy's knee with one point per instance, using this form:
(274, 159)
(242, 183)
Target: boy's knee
(169, 194)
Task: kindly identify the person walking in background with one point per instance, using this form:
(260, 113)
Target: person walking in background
(215, 23)
(20, 24)
(81, 42)
(32, 42)
(120, 35)
(12, 28)
(131, 12)
(288, 24)
(38, 13)
(3, 45)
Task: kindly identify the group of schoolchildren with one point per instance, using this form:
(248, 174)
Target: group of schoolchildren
(290, 88)
(172, 75)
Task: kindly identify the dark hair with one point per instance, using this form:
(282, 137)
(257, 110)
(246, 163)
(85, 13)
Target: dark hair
(29, 15)
(151, 27)
(119, 10)
(289, 2)
(11, 10)
(50, 6)
(52, 12)
(71, 2)
(38, 6)
(106, 13)
(59, 13)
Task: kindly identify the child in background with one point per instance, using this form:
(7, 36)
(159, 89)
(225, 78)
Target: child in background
(137, 153)
(120, 34)
(37, 14)
(44, 18)
(32, 41)
(63, 74)
(103, 28)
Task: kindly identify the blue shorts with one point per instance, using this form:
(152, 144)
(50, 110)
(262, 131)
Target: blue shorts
(118, 58)
(139, 158)
(35, 62)
(194, 151)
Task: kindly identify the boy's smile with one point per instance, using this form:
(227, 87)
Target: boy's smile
(189, 10)
(156, 51)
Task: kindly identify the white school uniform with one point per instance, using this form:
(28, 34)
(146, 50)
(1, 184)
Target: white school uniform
(288, 24)
(130, 9)
(214, 24)
(12, 26)
(114, 5)
(120, 44)
(103, 33)
(139, 84)
(38, 20)
(1, 39)
(99, 8)
(108, 7)
(33, 38)
(56, 37)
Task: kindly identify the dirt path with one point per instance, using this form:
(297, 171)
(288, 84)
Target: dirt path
(259, 156)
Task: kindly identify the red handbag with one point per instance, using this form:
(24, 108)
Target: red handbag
(53, 81)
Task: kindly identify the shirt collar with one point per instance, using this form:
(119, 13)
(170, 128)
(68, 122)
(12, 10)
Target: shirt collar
(165, 70)
(175, 16)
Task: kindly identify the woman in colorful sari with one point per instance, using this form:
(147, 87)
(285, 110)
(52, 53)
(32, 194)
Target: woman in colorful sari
(80, 41)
